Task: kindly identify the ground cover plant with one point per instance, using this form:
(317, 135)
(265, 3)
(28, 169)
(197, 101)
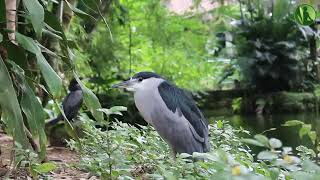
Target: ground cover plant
(137, 152)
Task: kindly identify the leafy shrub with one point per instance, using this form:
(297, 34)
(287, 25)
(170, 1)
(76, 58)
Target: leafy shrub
(128, 152)
(271, 49)
(29, 160)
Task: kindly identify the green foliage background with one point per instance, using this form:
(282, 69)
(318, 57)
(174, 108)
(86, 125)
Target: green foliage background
(245, 43)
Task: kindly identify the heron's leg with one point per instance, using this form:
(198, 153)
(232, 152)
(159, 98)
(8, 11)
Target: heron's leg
(174, 154)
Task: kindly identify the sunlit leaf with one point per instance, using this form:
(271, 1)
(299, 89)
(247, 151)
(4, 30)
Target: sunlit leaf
(252, 142)
(275, 143)
(262, 139)
(293, 123)
(267, 155)
(36, 14)
(313, 136)
(310, 166)
(44, 167)
(220, 124)
(305, 129)
(114, 110)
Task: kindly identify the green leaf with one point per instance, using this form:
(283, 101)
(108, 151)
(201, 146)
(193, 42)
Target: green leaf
(44, 167)
(1, 37)
(262, 139)
(109, 111)
(27, 43)
(11, 112)
(252, 142)
(80, 13)
(293, 123)
(36, 14)
(274, 173)
(219, 124)
(305, 129)
(54, 23)
(313, 136)
(32, 109)
(52, 79)
(184, 155)
(91, 101)
(308, 165)
(118, 108)
(275, 143)
(267, 155)
(91, 4)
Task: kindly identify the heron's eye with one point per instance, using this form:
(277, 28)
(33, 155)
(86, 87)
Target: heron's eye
(140, 79)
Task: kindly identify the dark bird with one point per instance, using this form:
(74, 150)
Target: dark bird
(71, 104)
(171, 111)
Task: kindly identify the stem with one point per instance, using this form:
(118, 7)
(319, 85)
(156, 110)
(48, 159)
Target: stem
(250, 9)
(105, 22)
(60, 12)
(109, 148)
(130, 46)
(241, 12)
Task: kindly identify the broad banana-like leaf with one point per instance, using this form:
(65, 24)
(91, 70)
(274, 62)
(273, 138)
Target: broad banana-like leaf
(52, 79)
(33, 110)
(36, 14)
(11, 112)
(90, 100)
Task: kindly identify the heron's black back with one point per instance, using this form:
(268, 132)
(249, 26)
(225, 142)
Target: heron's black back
(177, 99)
(72, 104)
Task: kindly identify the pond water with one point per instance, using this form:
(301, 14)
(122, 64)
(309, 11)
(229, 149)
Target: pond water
(288, 135)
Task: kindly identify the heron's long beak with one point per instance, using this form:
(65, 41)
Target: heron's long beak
(124, 84)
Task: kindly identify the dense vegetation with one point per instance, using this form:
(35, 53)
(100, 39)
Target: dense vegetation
(251, 45)
(128, 152)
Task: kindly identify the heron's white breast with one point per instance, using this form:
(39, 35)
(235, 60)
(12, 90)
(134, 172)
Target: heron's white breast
(146, 97)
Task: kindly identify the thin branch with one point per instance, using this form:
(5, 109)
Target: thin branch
(105, 22)
(60, 11)
(130, 47)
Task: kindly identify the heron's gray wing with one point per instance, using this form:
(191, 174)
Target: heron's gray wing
(176, 99)
(72, 103)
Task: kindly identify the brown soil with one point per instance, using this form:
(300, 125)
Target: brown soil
(63, 157)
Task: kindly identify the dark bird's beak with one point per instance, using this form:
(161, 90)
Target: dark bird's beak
(124, 84)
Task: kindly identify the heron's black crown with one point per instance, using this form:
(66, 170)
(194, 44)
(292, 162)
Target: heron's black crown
(145, 75)
(73, 86)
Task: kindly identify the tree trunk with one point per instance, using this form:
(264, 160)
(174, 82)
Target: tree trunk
(313, 51)
(11, 9)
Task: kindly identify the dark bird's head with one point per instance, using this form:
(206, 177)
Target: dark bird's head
(74, 85)
(139, 81)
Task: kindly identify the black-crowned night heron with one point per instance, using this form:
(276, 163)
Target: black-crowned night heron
(71, 104)
(172, 112)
